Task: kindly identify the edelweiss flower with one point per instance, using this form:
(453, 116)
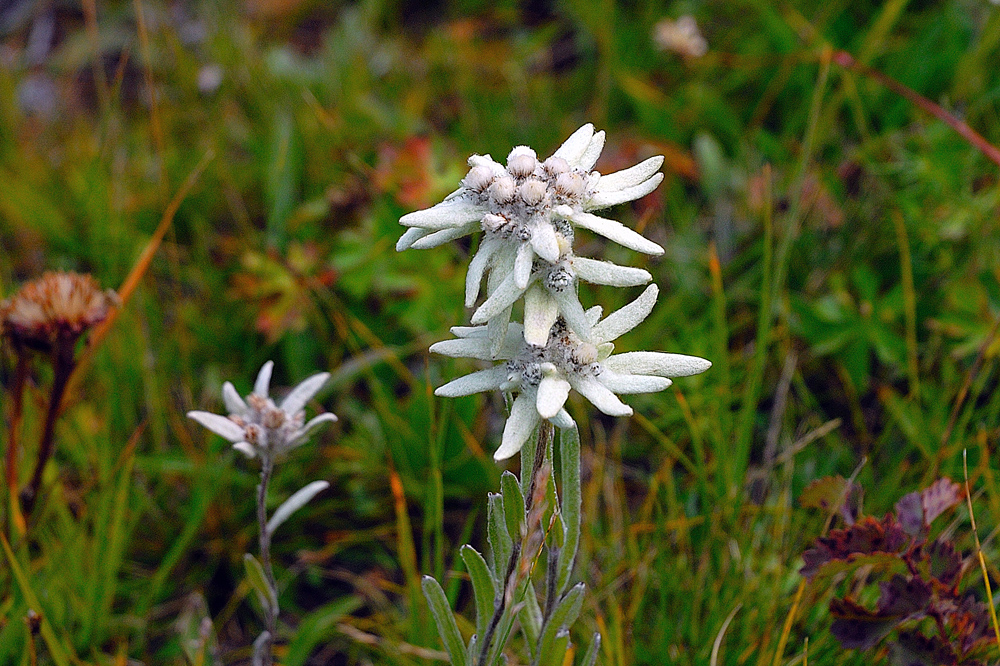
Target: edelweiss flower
(258, 426)
(59, 305)
(528, 211)
(542, 375)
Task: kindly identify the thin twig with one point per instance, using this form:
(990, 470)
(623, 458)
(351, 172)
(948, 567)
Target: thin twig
(846, 60)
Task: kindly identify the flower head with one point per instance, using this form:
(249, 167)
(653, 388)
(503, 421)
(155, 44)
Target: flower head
(542, 375)
(528, 211)
(57, 306)
(681, 36)
(257, 426)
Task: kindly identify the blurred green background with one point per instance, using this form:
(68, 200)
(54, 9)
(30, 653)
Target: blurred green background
(830, 247)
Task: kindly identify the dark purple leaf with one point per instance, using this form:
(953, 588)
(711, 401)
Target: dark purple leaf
(914, 649)
(910, 512)
(902, 596)
(856, 627)
(942, 495)
(945, 563)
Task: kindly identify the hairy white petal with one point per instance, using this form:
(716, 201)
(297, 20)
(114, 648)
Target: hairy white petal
(483, 380)
(498, 329)
(552, 393)
(604, 199)
(600, 396)
(474, 276)
(303, 393)
(626, 384)
(576, 145)
(615, 231)
(572, 312)
(260, 387)
(605, 272)
(443, 236)
(594, 314)
(411, 236)
(520, 424)
(545, 241)
(312, 426)
(622, 321)
(593, 151)
(477, 347)
(506, 293)
(445, 215)
(234, 403)
(657, 363)
(220, 425)
(630, 177)
(522, 265)
(469, 331)
(563, 420)
(246, 448)
(540, 313)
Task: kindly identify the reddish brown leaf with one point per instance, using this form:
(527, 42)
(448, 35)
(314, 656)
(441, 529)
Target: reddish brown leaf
(903, 596)
(942, 495)
(867, 536)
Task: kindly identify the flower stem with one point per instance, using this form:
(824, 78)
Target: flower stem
(63, 363)
(545, 435)
(264, 647)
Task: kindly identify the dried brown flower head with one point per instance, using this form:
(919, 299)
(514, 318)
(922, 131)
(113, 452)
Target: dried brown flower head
(57, 306)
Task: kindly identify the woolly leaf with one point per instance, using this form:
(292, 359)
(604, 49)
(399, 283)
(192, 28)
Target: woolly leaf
(451, 638)
(483, 587)
(513, 505)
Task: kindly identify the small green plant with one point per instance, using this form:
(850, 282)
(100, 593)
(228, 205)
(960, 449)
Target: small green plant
(259, 428)
(923, 612)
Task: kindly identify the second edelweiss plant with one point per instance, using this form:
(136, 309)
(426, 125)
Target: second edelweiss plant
(528, 212)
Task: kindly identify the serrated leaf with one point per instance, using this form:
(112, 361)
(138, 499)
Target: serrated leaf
(866, 537)
(258, 581)
(942, 495)
(944, 562)
(483, 587)
(294, 503)
(856, 627)
(513, 505)
(903, 596)
(501, 544)
(451, 638)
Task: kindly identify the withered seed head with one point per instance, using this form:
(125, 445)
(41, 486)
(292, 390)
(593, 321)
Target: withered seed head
(59, 305)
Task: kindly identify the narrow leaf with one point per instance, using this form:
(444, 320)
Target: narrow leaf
(513, 505)
(258, 581)
(554, 653)
(590, 656)
(569, 459)
(563, 615)
(294, 503)
(451, 638)
(530, 617)
(498, 536)
(483, 587)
